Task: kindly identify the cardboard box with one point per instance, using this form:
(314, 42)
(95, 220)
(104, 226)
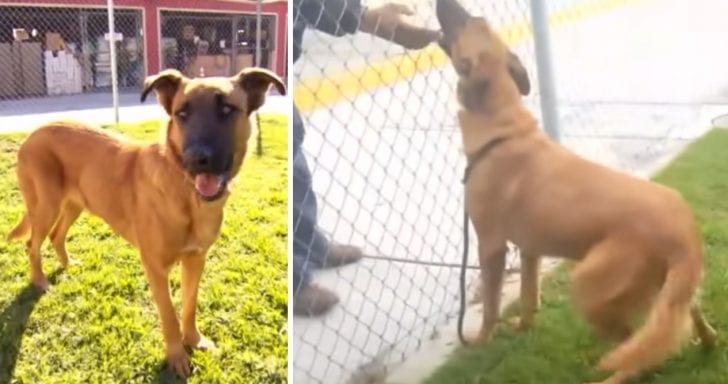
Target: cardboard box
(218, 65)
(243, 61)
(31, 68)
(7, 82)
(63, 73)
(209, 65)
(54, 42)
(23, 74)
(20, 34)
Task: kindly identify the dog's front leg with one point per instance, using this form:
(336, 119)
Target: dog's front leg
(530, 296)
(191, 268)
(158, 277)
(492, 266)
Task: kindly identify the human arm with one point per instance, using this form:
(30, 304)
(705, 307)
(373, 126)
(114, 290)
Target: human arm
(388, 21)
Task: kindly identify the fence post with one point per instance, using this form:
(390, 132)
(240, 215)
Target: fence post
(112, 53)
(258, 28)
(546, 83)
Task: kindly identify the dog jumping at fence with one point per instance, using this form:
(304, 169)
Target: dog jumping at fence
(636, 245)
(166, 198)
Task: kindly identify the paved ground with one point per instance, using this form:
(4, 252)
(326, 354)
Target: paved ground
(636, 85)
(25, 114)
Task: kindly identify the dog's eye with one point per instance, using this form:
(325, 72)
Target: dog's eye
(463, 68)
(226, 110)
(182, 114)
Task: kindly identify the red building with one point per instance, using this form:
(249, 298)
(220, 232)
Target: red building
(200, 37)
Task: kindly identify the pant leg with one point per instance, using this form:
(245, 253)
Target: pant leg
(301, 272)
(309, 244)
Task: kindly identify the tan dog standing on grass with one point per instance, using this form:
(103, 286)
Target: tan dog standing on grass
(637, 247)
(166, 199)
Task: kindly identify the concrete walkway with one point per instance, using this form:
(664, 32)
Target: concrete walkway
(26, 114)
(636, 85)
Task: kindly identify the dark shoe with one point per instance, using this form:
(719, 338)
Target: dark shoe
(312, 301)
(340, 254)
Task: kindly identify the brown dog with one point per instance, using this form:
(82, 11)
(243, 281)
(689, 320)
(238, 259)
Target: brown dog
(637, 248)
(166, 198)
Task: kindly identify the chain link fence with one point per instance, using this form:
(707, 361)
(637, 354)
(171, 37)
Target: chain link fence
(56, 58)
(387, 168)
(385, 151)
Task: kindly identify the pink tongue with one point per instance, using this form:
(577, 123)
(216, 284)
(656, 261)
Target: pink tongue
(208, 185)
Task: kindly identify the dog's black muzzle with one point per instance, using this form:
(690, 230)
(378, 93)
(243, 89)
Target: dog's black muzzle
(472, 93)
(210, 168)
(201, 158)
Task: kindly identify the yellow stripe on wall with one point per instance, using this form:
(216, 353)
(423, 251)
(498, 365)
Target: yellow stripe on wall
(315, 92)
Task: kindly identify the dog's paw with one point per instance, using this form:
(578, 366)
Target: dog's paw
(42, 285)
(519, 323)
(618, 377)
(199, 342)
(179, 362)
(205, 344)
(708, 340)
(481, 339)
(711, 341)
(71, 263)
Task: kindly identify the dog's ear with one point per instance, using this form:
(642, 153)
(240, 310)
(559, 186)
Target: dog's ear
(444, 45)
(452, 18)
(519, 74)
(256, 82)
(165, 84)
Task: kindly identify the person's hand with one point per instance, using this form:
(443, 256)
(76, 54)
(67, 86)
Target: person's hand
(388, 22)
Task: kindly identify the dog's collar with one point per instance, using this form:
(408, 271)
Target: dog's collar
(480, 154)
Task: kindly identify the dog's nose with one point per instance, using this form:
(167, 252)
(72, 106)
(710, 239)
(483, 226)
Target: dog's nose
(198, 157)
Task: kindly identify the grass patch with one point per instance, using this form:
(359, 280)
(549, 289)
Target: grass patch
(561, 348)
(99, 324)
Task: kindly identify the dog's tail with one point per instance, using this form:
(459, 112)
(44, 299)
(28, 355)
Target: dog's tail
(666, 326)
(21, 229)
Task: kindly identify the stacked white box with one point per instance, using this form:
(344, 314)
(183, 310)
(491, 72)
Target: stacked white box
(103, 62)
(62, 73)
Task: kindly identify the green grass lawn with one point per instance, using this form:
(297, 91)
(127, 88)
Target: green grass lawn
(561, 349)
(99, 325)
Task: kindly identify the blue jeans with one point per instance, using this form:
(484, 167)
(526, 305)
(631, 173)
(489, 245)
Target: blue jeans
(309, 244)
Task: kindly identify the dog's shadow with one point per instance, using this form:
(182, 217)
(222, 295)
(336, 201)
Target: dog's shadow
(13, 322)
(164, 375)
